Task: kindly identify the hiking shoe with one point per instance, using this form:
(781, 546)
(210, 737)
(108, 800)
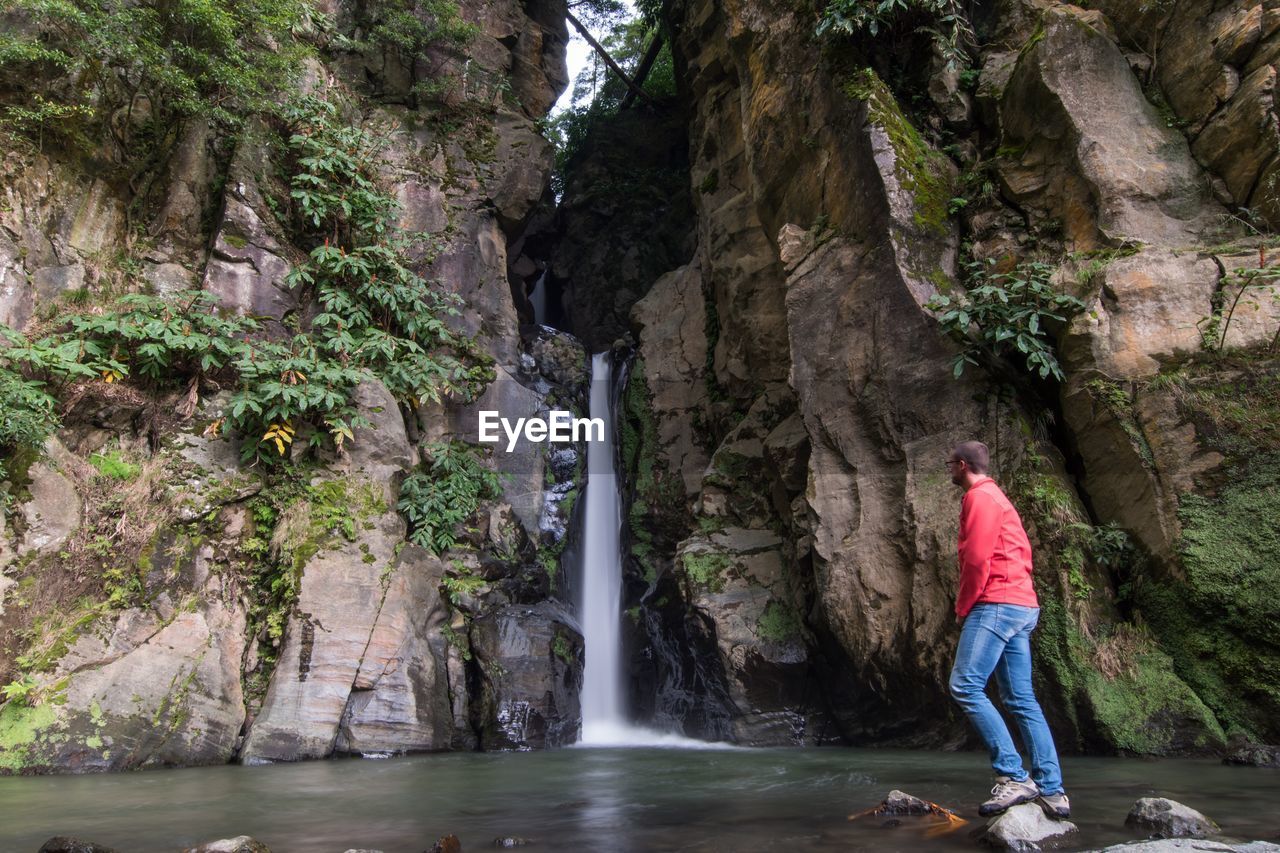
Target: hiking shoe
(1006, 794)
(1055, 805)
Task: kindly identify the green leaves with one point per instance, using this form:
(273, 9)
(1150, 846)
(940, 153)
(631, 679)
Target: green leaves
(1003, 314)
(944, 20)
(435, 503)
(378, 319)
(215, 58)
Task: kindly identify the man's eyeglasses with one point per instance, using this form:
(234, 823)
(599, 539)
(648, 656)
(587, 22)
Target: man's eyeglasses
(951, 462)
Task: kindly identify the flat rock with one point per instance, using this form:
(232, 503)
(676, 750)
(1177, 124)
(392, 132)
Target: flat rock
(1168, 845)
(1163, 818)
(52, 514)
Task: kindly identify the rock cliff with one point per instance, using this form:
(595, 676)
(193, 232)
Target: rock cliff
(792, 399)
(773, 252)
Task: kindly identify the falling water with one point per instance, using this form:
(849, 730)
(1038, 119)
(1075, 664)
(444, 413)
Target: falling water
(604, 721)
(602, 712)
(538, 298)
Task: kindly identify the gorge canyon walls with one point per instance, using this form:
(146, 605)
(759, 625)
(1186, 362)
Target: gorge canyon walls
(766, 252)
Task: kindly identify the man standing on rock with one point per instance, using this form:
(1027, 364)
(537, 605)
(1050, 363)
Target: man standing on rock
(997, 609)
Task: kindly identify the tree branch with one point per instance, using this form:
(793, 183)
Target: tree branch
(642, 71)
(608, 60)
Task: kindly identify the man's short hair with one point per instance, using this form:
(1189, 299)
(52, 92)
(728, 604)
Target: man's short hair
(975, 455)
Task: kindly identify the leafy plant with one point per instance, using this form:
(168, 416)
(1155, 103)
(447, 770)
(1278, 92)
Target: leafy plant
(377, 319)
(28, 412)
(462, 586)
(944, 20)
(155, 61)
(404, 30)
(114, 466)
(437, 501)
(1249, 283)
(22, 691)
(1004, 313)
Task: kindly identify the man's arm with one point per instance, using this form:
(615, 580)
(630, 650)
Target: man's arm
(979, 530)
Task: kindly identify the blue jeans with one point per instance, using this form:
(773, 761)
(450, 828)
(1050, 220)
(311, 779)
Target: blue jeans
(997, 638)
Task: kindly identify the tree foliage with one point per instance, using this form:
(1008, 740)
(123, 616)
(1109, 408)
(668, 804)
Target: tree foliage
(944, 20)
(131, 63)
(598, 93)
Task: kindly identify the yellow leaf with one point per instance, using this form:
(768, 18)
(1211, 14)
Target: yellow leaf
(280, 446)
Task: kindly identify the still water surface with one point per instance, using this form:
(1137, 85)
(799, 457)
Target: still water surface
(596, 800)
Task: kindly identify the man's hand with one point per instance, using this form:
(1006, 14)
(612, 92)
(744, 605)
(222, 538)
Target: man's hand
(959, 621)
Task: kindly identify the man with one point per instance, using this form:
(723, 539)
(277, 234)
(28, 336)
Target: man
(997, 609)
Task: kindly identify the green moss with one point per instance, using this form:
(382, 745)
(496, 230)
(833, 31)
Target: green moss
(920, 169)
(705, 569)
(779, 623)
(1119, 403)
(235, 241)
(710, 183)
(461, 642)
(941, 282)
(1218, 621)
(658, 496)
(115, 466)
(561, 648)
(54, 635)
(1147, 709)
(21, 726)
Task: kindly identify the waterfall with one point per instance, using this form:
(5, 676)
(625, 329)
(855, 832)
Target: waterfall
(538, 298)
(603, 719)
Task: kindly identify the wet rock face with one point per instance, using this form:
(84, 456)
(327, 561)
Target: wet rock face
(1254, 755)
(737, 582)
(371, 659)
(528, 660)
(142, 692)
(1216, 64)
(630, 182)
(1089, 150)
(361, 669)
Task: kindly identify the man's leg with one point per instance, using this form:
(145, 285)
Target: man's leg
(982, 643)
(1013, 675)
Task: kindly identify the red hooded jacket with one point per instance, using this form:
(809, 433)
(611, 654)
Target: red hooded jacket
(995, 555)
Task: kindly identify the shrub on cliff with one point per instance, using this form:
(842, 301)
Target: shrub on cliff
(377, 319)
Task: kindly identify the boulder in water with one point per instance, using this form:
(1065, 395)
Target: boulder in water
(447, 844)
(1162, 818)
(928, 818)
(65, 844)
(1026, 828)
(1254, 755)
(239, 844)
